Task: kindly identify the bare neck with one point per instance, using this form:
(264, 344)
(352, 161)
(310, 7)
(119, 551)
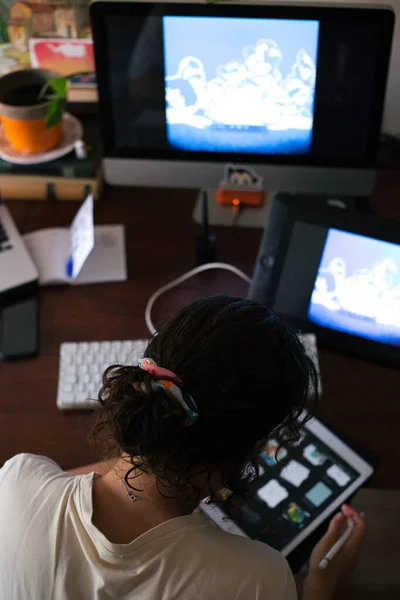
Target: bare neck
(122, 514)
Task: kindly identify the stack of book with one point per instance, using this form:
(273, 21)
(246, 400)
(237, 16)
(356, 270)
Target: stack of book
(67, 178)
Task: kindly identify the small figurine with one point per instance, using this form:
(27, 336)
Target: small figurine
(240, 187)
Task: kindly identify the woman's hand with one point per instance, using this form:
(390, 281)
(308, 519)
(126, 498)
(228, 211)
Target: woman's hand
(322, 583)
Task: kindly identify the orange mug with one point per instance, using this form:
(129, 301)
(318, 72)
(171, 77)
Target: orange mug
(31, 137)
(24, 126)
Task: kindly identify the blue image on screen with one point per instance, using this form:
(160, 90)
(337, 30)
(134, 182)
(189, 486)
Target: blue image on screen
(357, 289)
(240, 85)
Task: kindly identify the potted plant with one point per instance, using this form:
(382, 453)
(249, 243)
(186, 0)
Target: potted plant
(31, 108)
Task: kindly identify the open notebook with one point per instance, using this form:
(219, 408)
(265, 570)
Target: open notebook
(79, 254)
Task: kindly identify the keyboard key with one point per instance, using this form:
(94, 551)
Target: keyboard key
(126, 347)
(82, 365)
(68, 401)
(68, 348)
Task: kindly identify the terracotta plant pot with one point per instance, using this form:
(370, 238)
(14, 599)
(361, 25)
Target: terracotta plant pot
(22, 115)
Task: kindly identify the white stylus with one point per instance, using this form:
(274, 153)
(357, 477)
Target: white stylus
(336, 546)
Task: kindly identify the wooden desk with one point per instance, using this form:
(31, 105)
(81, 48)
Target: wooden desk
(360, 399)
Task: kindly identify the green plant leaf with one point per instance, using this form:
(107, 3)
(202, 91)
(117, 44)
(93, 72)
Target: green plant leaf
(54, 113)
(60, 86)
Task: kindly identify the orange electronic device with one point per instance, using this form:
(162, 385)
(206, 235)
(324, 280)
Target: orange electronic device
(240, 187)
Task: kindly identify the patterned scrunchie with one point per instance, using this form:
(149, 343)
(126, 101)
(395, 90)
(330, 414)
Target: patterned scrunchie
(169, 382)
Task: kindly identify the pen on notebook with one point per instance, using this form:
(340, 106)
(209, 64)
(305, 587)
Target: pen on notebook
(69, 266)
(336, 546)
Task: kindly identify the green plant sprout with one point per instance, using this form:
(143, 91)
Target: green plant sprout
(55, 91)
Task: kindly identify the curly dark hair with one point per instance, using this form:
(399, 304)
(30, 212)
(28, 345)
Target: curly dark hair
(249, 375)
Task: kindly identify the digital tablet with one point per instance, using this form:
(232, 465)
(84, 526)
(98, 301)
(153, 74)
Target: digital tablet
(299, 487)
(332, 272)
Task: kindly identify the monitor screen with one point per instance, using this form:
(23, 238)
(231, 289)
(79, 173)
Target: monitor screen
(357, 287)
(249, 89)
(332, 272)
(250, 84)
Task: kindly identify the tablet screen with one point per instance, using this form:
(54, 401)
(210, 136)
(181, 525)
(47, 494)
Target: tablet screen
(298, 488)
(357, 288)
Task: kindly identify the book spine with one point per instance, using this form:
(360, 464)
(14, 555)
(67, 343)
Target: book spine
(48, 188)
(77, 94)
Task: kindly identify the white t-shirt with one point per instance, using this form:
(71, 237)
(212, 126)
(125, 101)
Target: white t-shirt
(50, 549)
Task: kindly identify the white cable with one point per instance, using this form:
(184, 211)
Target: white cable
(179, 280)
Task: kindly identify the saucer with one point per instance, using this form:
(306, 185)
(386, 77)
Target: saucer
(72, 131)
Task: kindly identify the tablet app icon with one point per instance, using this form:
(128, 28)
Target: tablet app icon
(272, 493)
(318, 494)
(295, 473)
(272, 453)
(338, 475)
(295, 514)
(314, 456)
(223, 494)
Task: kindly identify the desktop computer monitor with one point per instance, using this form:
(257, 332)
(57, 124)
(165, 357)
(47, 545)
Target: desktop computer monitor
(295, 92)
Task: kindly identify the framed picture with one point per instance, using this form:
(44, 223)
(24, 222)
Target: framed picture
(50, 34)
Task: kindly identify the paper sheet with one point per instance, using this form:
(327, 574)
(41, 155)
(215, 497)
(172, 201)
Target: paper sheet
(49, 251)
(107, 261)
(81, 238)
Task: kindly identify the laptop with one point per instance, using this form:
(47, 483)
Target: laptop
(17, 269)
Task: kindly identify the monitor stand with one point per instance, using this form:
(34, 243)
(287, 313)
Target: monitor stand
(225, 216)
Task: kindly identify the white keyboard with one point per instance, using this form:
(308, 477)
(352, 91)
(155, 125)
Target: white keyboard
(82, 365)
